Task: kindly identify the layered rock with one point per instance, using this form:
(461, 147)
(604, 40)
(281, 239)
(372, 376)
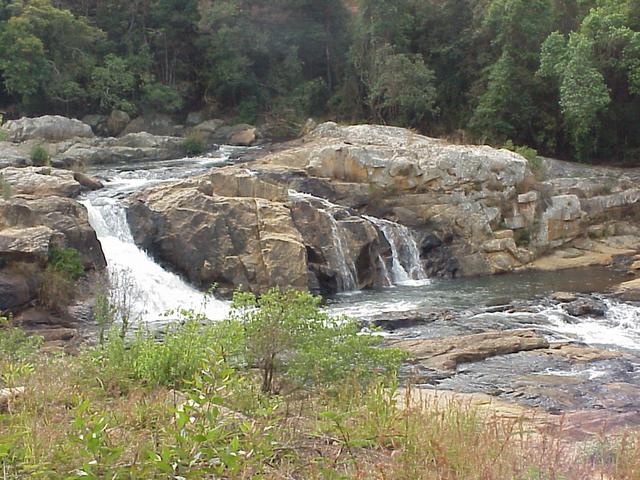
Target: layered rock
(475, 210)
(38, 214)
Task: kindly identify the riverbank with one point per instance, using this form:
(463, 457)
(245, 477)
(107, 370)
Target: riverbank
(74, 418)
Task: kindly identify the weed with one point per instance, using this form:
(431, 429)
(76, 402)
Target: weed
(40, 156)
(194, 144)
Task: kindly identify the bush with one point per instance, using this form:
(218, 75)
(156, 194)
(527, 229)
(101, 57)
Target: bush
(3, 135)
(66, 261)
(286, 334)
(56, 290)
(17, 352)
(40, 156)
(193, 145)
(248, 110)
(536, 164)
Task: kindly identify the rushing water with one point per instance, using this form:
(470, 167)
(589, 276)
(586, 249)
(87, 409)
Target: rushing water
(160, 290)
(155, 293)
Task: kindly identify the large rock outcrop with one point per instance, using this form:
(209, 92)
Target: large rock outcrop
(38, 213)
(50, 128)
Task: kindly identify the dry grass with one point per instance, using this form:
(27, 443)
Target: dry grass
(354, 433)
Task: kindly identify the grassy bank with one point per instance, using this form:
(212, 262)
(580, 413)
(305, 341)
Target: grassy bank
(197, 405)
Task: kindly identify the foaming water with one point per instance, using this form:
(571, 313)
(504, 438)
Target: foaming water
(156, 293)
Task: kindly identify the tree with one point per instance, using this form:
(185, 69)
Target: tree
(112, 85)
(285, 333)
(596, 70)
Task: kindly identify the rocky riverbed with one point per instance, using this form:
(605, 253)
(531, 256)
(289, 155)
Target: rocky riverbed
(399, 230)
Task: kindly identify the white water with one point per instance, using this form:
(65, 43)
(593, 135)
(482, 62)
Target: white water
(407, 267)
(620, 326)
(158, 294)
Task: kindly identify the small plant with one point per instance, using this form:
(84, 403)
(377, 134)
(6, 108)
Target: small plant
(3, 135)
(66, 261)
(17, 353)
(536, 163)
(194, 144)
(40, 156)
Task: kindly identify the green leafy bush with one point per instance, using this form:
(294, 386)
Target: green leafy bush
(17, 352)
(536, 163)
(286, 334)
(3, 135)
(248, 110)
(194, 145)
(161, 98)
(5, 188)
(40, 156)
(66, 261)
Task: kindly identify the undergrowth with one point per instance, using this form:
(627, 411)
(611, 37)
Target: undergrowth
(191, 405)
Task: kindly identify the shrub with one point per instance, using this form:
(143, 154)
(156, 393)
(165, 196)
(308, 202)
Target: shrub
(17, 352)
(3, 135)
(536, 164)
(193, 145)
(56, 289)
(286, 333)
(40, 156)
(161, 98)
(66, 261)
(248, 110)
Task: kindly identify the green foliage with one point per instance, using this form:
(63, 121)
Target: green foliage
(4, 135)
(285, 333)
(112, 84)
(39, 156)
(161, 98)
(17, 353)
(194, 144)
(66, 261)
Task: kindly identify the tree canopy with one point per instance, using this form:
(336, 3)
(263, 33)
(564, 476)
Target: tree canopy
(560, 76)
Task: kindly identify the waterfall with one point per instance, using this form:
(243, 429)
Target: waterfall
(347, 274)
(154, 291)
(406, 265)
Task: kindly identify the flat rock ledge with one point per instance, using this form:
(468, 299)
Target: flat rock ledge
(446, 353)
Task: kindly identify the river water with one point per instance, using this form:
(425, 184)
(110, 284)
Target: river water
(478, 304)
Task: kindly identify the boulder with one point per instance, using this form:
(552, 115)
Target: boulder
(155, 124)
(50, 128)
(117, 122)
(240, 135)
(232, 241)
(87, 181)
(42, 181)
(129, 148)
(585, 306)
(564, 297)
(30, 226)
(15, 290)
(629, 291)
(195, 118)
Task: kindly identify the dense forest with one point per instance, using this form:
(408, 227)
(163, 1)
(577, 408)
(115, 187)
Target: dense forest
(561, 76)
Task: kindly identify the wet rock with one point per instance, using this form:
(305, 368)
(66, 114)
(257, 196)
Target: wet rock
(50, 128)
(87, 181)
(392, 321)
(586, 306)
(564, 297)
(580, 353)
(448, 352)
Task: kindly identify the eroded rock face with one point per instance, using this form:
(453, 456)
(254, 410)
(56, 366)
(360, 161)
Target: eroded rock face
(231, 241)
(38, 215)
(50, 128)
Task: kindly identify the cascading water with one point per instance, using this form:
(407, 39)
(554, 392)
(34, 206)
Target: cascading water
(152, 290)
(407, 267)
(347, 274)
